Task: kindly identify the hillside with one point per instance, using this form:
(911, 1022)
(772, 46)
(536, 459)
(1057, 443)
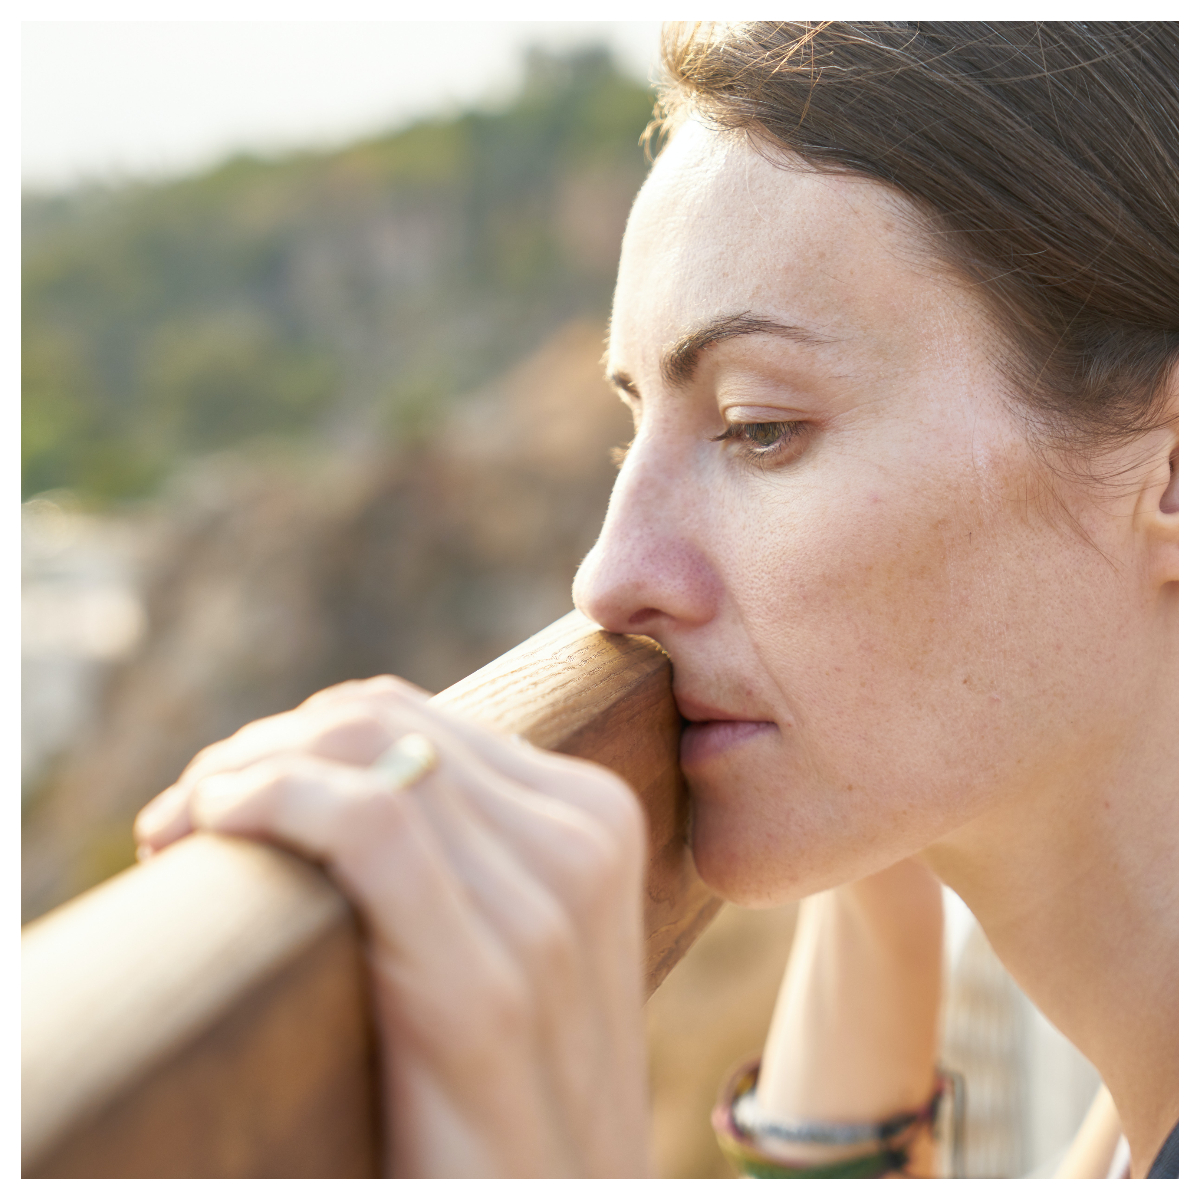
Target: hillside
(336, 297)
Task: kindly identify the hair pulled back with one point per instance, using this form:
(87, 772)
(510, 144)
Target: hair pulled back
(1044, 156)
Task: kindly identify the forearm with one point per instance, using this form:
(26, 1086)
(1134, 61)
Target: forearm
(1091, 1153)
(854, 1034)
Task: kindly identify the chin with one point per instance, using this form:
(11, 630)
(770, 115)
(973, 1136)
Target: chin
(757, 854)
(745, 869)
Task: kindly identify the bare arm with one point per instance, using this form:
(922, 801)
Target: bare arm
(1091, 1153)
(855, 1030)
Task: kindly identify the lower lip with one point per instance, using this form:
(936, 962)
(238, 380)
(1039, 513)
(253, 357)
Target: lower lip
(704, 740)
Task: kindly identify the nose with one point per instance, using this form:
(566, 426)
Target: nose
(647, 572)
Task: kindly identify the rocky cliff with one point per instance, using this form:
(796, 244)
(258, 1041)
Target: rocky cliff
(269, 577)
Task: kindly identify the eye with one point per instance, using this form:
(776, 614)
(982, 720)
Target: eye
(762, 439)
(764, 436)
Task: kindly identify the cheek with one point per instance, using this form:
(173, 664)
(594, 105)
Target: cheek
(865, 589)
(904, 631)
(849, 607)
(929, 645)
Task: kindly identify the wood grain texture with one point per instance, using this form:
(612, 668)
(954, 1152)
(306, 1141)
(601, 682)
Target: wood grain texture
(176, 1018)
(206, 1014)
(607, 697)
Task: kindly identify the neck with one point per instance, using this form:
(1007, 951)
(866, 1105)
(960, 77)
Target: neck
(1077, 889)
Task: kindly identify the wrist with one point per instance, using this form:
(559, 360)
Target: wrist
(898, 1145)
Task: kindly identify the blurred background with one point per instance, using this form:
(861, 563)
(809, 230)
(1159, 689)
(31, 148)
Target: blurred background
(312, 318)
(295, 413)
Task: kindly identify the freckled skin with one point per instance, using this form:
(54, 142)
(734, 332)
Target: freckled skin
(891, 637)
(928, 640)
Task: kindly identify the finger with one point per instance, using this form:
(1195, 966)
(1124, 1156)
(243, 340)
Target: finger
(352, 731)
(337, 814)
(589, 786)
(582, 784)
(167, 818)
(512, 894)
(570, 851)
(575, 780)
(580, 863)
(347, 723)
(164, 820)
(356, 689)
(555, 953)
(379, 848)
(344, 817)
(355, 722)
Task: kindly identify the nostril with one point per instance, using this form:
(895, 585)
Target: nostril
(644, 616)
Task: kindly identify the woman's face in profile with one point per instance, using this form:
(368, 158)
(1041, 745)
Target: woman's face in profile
(832, 520)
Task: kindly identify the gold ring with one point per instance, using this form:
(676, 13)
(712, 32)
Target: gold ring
(406, 761)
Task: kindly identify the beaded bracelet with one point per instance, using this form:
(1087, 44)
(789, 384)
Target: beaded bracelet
(738, 1127)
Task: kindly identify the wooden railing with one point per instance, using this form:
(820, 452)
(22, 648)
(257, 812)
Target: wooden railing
(205, 1014)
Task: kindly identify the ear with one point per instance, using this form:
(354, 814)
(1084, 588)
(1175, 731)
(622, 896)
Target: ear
(1157, 512)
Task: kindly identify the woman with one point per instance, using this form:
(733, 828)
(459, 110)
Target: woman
(896, 318)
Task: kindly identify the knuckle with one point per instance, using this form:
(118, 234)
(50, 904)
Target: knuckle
(504, 1003)
(366, 824)
(548, 943)
(617, 806)
(355, 732)
(271, 784)
(628, 818)
(205, 789)
(232, 751)
(610, 800)
(603, 867)
(592, 866)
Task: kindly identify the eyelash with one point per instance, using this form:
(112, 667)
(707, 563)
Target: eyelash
(736, 433)
(785, 432)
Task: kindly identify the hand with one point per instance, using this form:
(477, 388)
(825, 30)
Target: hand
(502, 898)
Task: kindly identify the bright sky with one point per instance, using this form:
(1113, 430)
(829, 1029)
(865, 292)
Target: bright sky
(119, 99)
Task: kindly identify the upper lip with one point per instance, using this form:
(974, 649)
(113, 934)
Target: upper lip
(693, 710)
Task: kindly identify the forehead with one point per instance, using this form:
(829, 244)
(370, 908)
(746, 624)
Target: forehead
(718, 229)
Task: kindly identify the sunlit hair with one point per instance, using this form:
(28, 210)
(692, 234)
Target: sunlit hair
(1043, 157)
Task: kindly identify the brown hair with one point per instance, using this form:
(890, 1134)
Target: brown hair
(1044, 156)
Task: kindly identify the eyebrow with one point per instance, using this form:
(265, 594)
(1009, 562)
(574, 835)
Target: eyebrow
(679, 360)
